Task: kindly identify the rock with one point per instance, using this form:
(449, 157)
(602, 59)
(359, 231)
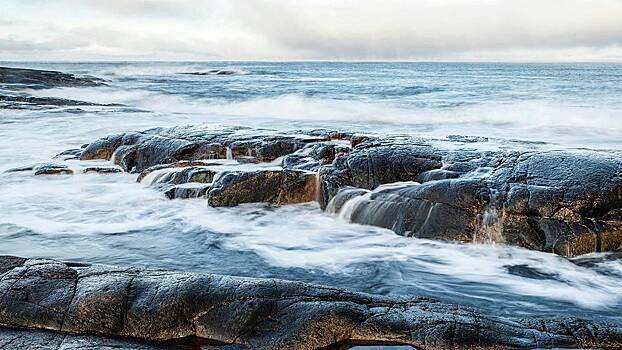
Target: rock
(262, 186)
(44, 79)
(43, 169)
(23, 102)
(186, 191)
(176, 168)
(100, 303)
(564, 202)
(436, 210)
(141, 150)
(102, 170)
(52, 169)
(47, 340)
(73, 153)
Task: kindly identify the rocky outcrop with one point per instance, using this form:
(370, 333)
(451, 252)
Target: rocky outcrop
(100, 304)
(137, 151)
(44, 79)
(567, 202)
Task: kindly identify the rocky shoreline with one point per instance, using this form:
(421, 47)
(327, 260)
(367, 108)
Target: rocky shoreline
(147, 308)
(568, 202)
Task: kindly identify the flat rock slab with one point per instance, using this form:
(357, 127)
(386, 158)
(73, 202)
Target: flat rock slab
(152, 305)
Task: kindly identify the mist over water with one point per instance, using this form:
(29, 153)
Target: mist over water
(112, 219)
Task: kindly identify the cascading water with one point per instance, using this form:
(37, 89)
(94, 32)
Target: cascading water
(490, 228)
(229, 155)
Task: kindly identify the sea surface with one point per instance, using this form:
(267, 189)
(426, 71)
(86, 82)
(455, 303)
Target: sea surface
(113, 220)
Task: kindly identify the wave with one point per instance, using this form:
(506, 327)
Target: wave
(566, 125)
(218, 72)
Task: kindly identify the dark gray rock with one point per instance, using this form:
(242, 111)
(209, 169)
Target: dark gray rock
(103, 170)
(567, 202)
(100, 302)
(190, 190)
(140, 150)
(44, 79)
(52, 169)
(25, 102)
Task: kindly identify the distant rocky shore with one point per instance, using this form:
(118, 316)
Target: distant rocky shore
(567, 202)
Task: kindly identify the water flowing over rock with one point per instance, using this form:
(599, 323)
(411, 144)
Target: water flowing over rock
(560, 201)
(148, 306)
(566, 202)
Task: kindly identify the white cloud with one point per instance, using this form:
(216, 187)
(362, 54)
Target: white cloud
(526, 30)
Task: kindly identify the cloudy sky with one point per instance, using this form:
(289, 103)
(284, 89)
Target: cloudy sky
(474, 30)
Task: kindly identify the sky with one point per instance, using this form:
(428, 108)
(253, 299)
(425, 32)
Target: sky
(428, 30)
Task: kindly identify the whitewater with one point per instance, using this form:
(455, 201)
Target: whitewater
(114, 220)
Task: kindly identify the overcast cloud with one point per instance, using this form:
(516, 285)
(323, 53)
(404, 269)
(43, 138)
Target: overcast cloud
(514, 30)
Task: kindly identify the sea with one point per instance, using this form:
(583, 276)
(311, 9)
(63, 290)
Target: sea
(111, 219)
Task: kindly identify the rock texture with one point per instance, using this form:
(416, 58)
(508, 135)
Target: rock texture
(567, 202)
(96, 304)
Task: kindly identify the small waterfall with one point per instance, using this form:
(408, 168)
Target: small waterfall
(158, 176)
(318, 188)
(490, 228)
(113, 157)
(229, 153)
(348, 207)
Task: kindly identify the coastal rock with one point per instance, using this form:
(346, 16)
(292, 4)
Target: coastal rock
(24, 102)
(262, 186)
(51, 169)
(41, 297)
(566, 202)
(44, 79)
(190, 190)
(558, 201)
(102, 170)
(139, 150)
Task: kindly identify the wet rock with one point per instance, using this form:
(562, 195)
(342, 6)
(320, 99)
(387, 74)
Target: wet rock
(47, 340)
(44, 79)
(186, 191)
(23, 102)
(73, 153)
(174, 167)
(52, 169)
(140, 150)
(564, 202)
(180, 175)
(437, 210)
(102, 170)
(262, 186)
(151, 306)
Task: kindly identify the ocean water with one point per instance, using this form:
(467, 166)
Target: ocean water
(113, 220)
